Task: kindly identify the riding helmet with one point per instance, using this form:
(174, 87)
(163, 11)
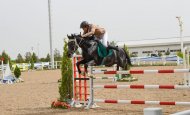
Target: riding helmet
(84, 24)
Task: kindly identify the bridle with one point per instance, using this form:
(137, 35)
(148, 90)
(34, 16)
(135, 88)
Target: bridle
(75, 42)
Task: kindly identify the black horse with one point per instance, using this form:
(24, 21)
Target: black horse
(90, 53)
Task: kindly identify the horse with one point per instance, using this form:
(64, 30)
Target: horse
(91, 56)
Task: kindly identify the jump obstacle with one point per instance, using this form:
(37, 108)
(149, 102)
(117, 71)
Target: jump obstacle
(80, 82)
(91, 101)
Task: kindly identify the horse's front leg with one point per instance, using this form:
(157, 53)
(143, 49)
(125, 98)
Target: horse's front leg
(89, 62)
(79, 63)
(85, 68)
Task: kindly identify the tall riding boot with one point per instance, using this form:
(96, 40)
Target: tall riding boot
(98, 41)
(112, 47)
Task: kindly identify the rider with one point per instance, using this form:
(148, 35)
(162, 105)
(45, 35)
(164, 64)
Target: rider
(99, 33)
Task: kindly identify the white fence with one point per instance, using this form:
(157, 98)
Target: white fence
(156, 60)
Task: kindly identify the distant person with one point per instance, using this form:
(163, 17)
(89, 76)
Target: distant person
(99, 33)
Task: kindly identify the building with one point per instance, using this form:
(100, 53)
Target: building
(153, 46)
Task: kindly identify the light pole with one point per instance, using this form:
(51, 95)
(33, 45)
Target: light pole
(50, 35)
(181, 30)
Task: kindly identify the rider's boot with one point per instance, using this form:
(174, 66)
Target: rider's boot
(98, 41)
(112, 47)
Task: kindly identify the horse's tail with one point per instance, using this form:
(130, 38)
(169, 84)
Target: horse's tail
(128, 58)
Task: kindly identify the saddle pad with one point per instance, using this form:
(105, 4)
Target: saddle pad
(102, 51)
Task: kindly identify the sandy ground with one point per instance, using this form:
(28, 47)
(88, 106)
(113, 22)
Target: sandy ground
(34, 96)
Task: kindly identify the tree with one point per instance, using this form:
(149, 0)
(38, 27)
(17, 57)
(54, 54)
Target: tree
(167, 52)
(28, 57)
(19, 59)
(47, 58)
(6, 58)
(127, 66)
(127, 51)
(17, 72)
(34, 57)
(180, 54)
(32, 63)
(42, 59)
(65, 88)
(159, 54)
(57, 55)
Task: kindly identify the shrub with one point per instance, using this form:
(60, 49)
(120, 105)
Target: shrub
(17, 72)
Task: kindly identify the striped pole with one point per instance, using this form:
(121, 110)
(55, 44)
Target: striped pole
(143, 86)
(142, 71)
(141, 102)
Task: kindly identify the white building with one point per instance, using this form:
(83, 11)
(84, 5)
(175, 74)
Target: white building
(148, 46)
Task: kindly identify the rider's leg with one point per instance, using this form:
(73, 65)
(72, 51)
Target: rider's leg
(105, 43)
(105, 39)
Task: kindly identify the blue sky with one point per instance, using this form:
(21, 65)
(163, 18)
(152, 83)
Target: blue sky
(24, 23)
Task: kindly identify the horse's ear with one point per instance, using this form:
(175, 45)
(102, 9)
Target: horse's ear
(68, 36)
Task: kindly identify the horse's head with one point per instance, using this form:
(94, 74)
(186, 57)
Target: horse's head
(72, 44)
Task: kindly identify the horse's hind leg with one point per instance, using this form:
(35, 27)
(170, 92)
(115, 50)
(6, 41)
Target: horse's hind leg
(117, 67)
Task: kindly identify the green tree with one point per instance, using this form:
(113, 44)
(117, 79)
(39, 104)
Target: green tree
(17, 72)
(127, 66)
(42, 59)
(34, 57)
(167, 52)
(19, 59)
(57, 55)
(180, 54)
(65, 87)
(6, 58)
(48, 58)
(127, 51)
(32, 63)
(159, 54)
(28, 57)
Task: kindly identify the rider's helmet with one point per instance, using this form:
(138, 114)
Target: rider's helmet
(84, 24)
